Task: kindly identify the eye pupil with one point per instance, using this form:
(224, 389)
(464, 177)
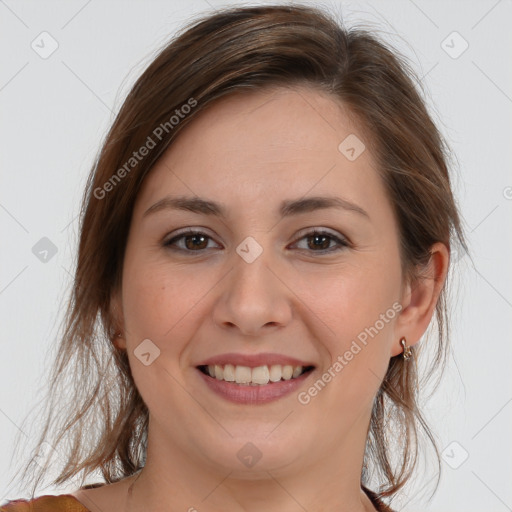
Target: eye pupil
(316, 238)
(195, 245)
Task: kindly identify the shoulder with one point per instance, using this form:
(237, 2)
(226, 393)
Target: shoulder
(96, 497)
(47, 503)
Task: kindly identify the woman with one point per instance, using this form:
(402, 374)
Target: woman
(265, 239)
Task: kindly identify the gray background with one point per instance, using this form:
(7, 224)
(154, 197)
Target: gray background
(55, 111)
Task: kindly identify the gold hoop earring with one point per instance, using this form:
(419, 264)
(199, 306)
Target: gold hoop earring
(407, 352)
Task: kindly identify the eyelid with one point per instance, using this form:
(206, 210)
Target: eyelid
(323, 230)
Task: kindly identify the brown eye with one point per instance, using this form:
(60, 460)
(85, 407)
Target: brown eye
(195, 242)
(320, 242)
(190, 241)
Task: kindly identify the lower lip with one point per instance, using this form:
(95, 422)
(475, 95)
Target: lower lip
(260, 394)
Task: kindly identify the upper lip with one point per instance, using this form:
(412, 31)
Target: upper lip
(252, 361)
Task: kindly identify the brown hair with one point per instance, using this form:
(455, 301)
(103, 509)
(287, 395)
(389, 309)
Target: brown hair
(98, 420)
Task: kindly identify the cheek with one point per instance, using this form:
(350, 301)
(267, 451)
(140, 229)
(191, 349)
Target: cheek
(358, 307)
(154, 300)
(159, 304)
(350, 299)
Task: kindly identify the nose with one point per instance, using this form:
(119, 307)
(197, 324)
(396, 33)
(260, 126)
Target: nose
(254, 298)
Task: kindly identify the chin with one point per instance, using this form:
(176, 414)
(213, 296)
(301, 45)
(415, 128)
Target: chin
(252, 457)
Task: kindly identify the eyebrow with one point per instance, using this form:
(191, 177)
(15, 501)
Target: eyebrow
(287, 208)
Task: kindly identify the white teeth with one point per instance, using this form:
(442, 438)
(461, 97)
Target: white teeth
(296, 372)
(287, 372)
(242, 374)
(260, 375)
(229, 373)
(275, 372)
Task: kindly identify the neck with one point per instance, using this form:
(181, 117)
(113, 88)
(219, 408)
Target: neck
(179, 482)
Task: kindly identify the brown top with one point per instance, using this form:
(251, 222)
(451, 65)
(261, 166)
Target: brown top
(68, 503)
(63, 503)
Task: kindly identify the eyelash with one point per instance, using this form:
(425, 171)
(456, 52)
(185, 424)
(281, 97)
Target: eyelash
(342, 243)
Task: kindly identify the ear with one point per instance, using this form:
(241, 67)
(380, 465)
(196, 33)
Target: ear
(116, 312)
(420, 298)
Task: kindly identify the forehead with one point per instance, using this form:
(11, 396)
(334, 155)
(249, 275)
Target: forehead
(257, 146)
(273, 123)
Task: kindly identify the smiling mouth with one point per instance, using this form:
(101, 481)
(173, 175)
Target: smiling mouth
(257, 376)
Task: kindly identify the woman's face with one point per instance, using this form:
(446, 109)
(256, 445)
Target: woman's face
(256, 288)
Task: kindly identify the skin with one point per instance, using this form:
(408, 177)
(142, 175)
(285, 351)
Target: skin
(249, 152)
